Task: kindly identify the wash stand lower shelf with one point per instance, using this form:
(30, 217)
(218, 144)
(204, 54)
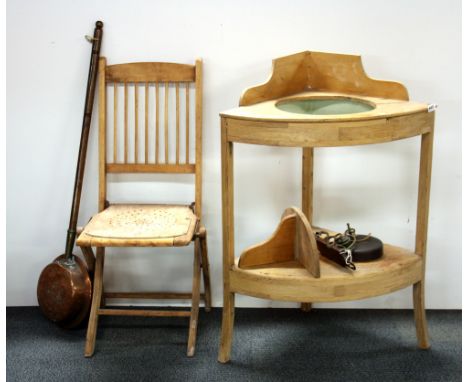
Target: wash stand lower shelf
(290, 281)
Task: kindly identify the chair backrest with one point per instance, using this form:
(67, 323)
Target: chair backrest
(134, 140)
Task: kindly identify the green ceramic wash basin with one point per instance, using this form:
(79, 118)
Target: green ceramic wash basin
(324, 106)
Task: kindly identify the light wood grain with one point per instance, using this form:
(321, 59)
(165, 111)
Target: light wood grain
(134, 225)
(307, 182)
(141, 221)
(156, 226)
(193, 325)
(227, 326)
(198, 136)
(380, 108)
(177, 124)
(150, 72)
(224, 354)
(121, 225)
(288, 76)
(172, 147)
(115, 122)
(102, 134)
(150, 168)
(228, 201)
(424, 187)
(143, 313)
(328, 134)
(166, 122)
(206, 267)
(425, 166)
(289, 281)
(151, 295)
(307, 195)
(305, 248)
(89, 257)
(187, 122)
(135, 130)
(146, 122)
(278, 248)
(422, 332)
(325, 71)
(258, 121)
(292, 240)
(96, 302)
(156, 154)
(126, 123)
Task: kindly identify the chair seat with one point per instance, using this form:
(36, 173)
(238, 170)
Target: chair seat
(143, 225)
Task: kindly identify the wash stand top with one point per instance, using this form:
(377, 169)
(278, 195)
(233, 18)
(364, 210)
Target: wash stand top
(372, 111)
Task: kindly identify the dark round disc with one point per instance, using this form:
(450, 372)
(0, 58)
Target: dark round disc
(369, 249)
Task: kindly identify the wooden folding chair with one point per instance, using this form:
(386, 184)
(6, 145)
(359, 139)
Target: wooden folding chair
(148, 225)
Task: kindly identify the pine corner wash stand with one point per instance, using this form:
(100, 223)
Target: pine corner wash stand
(313, 100)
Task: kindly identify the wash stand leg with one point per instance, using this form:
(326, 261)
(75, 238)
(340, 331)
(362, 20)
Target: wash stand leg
(307, 195)
(420, 316)
(425, 165)
(227, 327)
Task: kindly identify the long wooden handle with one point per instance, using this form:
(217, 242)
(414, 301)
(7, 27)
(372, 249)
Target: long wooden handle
(90, 90)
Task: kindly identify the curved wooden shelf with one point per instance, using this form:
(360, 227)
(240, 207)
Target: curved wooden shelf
(323, 134)
(265, 124)
(382, 108)
(290, 281)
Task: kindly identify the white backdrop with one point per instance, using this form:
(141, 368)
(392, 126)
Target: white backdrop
(415, 42)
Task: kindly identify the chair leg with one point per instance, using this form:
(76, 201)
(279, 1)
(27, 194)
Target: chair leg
(420, 316)
(97, 294)
(89, 258)
(195, 300)
(224, 354)
(206, 271)
(103, 299)
(306, 306)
